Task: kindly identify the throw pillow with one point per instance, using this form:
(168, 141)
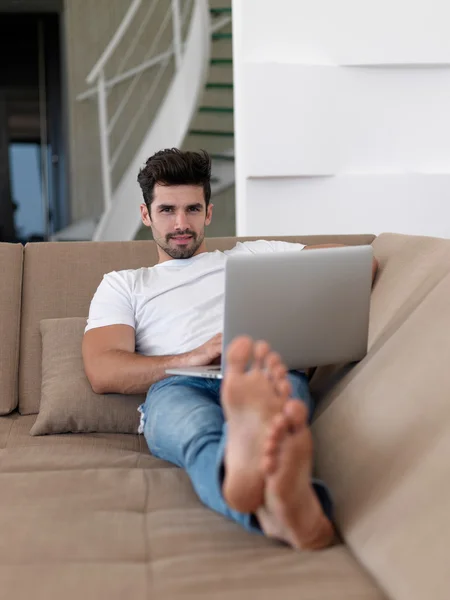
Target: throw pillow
(68, 403)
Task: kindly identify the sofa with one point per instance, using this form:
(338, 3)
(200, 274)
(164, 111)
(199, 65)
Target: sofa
(87, 512)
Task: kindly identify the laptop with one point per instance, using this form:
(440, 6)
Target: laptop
(311, 306)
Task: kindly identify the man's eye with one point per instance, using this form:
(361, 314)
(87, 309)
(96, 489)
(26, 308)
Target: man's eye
(194, 209)
(166, 209)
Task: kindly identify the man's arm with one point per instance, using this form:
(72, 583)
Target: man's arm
(112, 365)
(374, 261)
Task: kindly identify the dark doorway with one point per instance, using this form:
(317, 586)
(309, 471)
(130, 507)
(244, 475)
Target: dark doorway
(33, 198)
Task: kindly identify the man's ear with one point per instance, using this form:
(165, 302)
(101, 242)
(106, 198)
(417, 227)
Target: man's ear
(145, 215)
(209, 213)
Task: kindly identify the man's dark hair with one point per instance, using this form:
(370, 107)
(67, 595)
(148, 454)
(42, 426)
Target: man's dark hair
(174, 167)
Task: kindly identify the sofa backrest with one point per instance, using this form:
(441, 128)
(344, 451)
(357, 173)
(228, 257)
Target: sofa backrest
(383, 432)
(410, 266)
(60, 279)
(11, 259)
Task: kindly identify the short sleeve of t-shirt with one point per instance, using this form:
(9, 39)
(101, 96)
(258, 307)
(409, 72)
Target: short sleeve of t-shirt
(262, 246)
(112, 304)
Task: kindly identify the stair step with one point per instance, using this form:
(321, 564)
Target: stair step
(221, 36)
(229, 157)
(213, 132)
(221, 61)
(219, 86)
(212, 144)
(216, 109)
(220, 97)
(220, 11)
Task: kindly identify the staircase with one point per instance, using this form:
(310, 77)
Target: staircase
(212, 127)
(187, 102)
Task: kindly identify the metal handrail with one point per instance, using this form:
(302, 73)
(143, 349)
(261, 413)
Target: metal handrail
(110, 83)
(132, 47)
(160, 58)
(220, 24)
(114, 42)
(137, 71)
(139, 112)
(119, 76)
(151, 62)
(176, 20)
(103, 86)
(169, 124)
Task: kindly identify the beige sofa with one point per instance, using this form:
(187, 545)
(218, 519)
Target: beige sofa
(95, 516)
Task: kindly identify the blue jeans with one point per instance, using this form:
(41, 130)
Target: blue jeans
(183, 423)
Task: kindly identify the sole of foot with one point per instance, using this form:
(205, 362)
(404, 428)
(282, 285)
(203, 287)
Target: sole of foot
(292, 512)
(251, 397)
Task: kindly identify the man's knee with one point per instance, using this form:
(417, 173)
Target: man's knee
(180, 418)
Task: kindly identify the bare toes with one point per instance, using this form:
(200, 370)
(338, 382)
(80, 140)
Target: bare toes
(260, 352)
(279, 373)
(239, 353)
(296, 413)
(277, 432)
(284, 388)
(272, 362)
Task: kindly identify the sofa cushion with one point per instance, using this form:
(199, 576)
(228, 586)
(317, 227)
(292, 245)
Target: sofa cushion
(11, 257)
(104, 533)
(383, 435)
(68, 403)
(60, 280)
(410, 267)
(21, 452)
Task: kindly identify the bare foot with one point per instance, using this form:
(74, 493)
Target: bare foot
(294, 415)
(292, 512)
(250, 400)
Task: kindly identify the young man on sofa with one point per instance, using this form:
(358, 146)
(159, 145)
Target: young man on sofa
(245, 443)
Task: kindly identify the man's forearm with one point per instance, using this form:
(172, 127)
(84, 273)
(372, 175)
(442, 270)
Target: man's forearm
(121, 372)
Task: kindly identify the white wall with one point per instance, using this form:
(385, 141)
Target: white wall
(342, 116)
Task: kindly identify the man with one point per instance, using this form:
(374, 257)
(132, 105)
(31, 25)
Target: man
(245, 443)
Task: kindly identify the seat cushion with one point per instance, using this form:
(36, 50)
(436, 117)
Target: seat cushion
(19, 451)
(11, 257)
(383, 433)
(114, 528)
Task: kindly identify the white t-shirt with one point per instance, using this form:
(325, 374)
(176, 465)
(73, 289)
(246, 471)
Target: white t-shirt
(175, 306)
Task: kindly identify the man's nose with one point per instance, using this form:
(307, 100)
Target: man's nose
(181, 221)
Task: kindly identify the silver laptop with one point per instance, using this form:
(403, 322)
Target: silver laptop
(311, 306)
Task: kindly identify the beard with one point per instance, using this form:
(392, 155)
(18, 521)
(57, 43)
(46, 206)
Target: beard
(182, 251)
